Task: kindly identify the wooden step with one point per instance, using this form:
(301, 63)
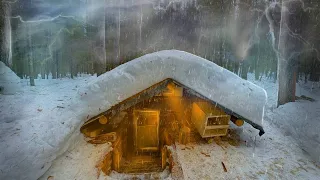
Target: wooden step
(141, 164)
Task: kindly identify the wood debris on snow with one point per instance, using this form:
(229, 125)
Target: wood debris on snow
(205, 154)
(224, 167)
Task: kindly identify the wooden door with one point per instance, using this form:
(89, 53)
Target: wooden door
(146, 130)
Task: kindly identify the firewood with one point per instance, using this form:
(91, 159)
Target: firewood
(103, 119)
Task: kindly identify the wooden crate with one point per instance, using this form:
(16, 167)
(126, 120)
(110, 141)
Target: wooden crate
(209, 120)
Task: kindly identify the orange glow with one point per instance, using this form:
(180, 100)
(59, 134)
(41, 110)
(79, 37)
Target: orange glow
(173, 90)
(238, 122)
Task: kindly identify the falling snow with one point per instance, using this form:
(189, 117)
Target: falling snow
(39, 125)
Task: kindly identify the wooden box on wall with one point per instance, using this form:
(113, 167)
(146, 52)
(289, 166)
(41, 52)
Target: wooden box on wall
(209, 120)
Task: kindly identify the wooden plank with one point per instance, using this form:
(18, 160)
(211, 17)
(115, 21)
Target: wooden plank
(104, 138)
(164, 157)
(217, 127)
(105, 164)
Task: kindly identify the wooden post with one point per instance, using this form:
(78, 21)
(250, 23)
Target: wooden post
(184, 135)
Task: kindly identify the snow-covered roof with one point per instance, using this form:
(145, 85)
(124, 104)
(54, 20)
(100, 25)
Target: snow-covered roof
(237, 96)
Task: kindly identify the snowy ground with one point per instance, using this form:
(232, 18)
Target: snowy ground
(300, 119)
(275, 155)
(48, 96)
(35, 108)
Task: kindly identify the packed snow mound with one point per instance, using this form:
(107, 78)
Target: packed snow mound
(9, 81)
(223, 87)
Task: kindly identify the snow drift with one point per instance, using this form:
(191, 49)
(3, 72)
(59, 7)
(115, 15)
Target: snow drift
(42, 139)
(301, 121)
(9, 81)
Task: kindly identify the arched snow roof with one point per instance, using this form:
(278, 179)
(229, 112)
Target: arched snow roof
(237, 96)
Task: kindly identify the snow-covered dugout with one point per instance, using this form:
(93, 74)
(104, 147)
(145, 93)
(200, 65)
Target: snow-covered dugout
(165, 97)
(123, 94)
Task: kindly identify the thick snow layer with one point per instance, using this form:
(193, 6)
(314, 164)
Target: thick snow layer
(210, 80)
(9, 81)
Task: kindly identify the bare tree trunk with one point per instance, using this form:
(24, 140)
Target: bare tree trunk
(315, 69)
(222, 33)
(119, 36)
(53, 69)
(244, 70)
(289, 45)
(57, 64)
(101, 40)
(71, 66)
(30, 56)
(5, 34)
